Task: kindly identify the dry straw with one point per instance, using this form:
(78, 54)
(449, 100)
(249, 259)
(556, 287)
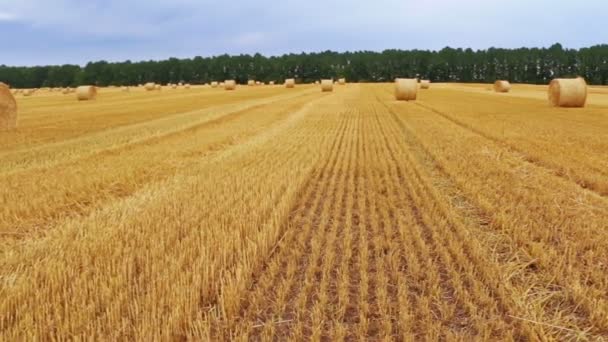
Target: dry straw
(327, 85)
(150, 86)
(251, 83)
(187, 86)
(8, 108)
(271, 82)
(290, 83)
(230, 85)
(425, 84)
(406, 89)
(126, 89)
(501, 86)
(159, 87)
(214, 84)
(84, 93)
(342, 81)
(568, 92)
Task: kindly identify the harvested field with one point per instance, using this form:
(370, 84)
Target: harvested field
(272, 214)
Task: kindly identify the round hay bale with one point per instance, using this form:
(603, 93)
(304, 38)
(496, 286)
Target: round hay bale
(425, 84)
(502, 86)
(8, 108)
(230, 85)
(84, 93)
(28, 92)
(327, 85)
(181, 84)
(290, 83)
(173, 86)
(251, 83)
(406, 89)
(158, 87)
(341, 81)
(150, 86)
(214, 84)
(568, 92)
(258, 83)
(271, 82)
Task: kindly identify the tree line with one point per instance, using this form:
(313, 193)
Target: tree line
(523, 65)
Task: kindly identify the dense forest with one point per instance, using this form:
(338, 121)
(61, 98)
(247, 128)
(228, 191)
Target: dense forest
(524, 65)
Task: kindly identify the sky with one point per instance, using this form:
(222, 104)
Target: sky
(45, 32)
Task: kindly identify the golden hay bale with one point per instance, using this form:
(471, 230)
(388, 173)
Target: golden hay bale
(316, 82)
(187, 86)
(341, 81)
(406, 89)
(84, 93)
(568, 92)
(327, 85)
(214, 84)
(8, 108)
(271, 82)
(501, 86)
(258, 83)
(150, 86)
(28, 92)
(251, 83)
(290, 83)
(180, 84)
(173, 86)
(425, 84)
(230, 85)
(158, 87)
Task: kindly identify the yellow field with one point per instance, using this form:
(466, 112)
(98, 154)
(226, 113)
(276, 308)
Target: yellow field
(290, 214)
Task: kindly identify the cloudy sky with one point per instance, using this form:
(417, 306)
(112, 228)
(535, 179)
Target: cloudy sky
(35, 32)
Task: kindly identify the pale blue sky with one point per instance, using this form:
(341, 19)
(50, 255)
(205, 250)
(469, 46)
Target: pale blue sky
(35, 32)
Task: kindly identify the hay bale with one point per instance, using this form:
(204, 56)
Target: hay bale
(180, 84)
(174, 86)
(8, 108)
(327, 85)
(568, 92)
(150, 86)
(271, 82)
(28, 92)
(341, 81)
(258, 83)
(406, 89)
(158, 87)
(230, 85)
(214, 84)
(502, 86)
(251, 83)
(290, 83)
(187, 86)
(67, 91)
(84, 93)
(425, 84)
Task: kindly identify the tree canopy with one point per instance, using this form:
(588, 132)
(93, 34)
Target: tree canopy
(524, 65)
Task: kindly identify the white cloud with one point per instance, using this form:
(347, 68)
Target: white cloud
(6, 16)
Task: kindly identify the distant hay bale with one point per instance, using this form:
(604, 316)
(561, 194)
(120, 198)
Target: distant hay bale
(341, 81)
(84, 93)
(251, 83)
(158, 87)
(187, 86)
(214, 84)
(221, 84)
(150, 86)
(406, 89)
(258, 83)
(180, 84)
(316, 82)
(502, 86)
(568, 92)
(327, 85)
(174, 86)
(230, 85)
(28, 92)
(425, 84)
(8, 108)
(271, 82)
(67, 91)
(290, 83)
